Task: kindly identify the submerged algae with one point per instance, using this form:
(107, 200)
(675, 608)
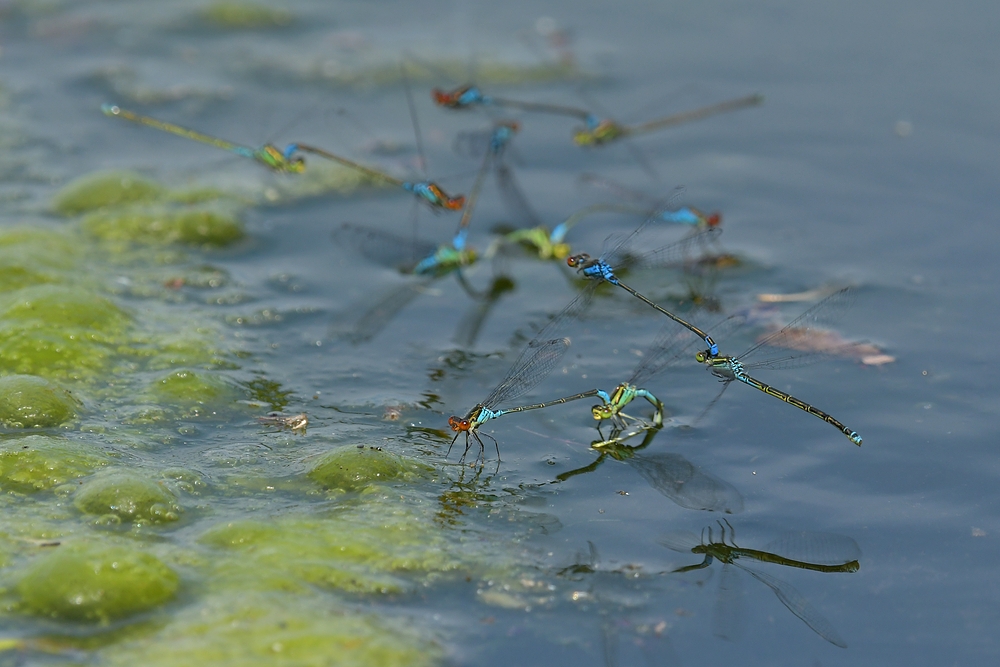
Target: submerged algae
(40, 462)
(161, 225)
(377, 546)
(244, 15)
(95, 582)
(265, 629)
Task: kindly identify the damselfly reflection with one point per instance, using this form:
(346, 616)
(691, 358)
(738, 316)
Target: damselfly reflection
(817, 552)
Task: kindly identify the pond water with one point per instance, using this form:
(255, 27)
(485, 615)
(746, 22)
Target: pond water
(159, 296)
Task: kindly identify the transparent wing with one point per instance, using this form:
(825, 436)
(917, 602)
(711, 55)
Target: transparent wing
(542, 353)
(680, 541)
(384, 248)
(472, 144)
(373, 320)
(790, 361)
(672, 346)
(533, 366)
(609, 642)
(798, 605)
(616, 249)
(513, 198)
(596, 181)
(824, 314)
(727, 617)
(818, 548)
(676, 254)
(681, 481)
(468, 328)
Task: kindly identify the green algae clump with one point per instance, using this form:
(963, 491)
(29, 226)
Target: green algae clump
(104, 189)
(197, 392)
(40, 462)
(123, 496)
(163, 225)
(247, 629)
(94, 582)
(245, 16)
(27, 401)
(354, 468)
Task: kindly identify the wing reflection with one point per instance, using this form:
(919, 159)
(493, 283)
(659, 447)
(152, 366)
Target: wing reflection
(671, 474)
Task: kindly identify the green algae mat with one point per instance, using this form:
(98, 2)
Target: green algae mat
(110, 546)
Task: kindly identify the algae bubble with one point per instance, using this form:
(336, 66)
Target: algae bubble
(354, 468)
(122, 496)
(95, 582)
(196, 392)
(27, 401)
(103, 189)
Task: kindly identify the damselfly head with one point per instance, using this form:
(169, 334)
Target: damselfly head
(450, 203)
(702, 357)
(577, 261)
(601, 412)
(443, 98)
(450, 98)
(560, 250)
(604, 131)
(714, 220)
(458, 424)
(584, 137)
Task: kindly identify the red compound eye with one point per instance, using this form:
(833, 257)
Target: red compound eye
(457, 424)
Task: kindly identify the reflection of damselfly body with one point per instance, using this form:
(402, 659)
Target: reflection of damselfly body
(817, 552)
(728, 369)
(268, 155)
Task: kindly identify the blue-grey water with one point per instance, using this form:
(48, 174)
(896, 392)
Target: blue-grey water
(871, 163)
